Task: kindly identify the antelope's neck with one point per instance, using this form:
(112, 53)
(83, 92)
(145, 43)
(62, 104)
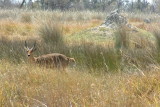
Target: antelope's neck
(31, 58)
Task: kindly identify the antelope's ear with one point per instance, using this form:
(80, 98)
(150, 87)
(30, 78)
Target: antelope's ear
(34, 46)
(25, 46)
(34, 49)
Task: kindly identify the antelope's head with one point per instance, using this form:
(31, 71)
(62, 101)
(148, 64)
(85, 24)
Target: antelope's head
(29, 50)
(72, 61)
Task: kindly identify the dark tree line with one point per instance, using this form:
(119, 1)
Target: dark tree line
(102, 5)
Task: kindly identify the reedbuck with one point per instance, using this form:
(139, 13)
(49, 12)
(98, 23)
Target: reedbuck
(55, 60)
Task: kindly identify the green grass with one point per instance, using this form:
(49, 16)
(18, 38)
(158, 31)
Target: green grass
(87, 36)
(104, 74)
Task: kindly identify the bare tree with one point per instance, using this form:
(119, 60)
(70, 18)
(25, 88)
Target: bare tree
(6, 4)
(23, 2)
(155, 6)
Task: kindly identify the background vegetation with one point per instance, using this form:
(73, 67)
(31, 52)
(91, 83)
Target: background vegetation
(121, 69)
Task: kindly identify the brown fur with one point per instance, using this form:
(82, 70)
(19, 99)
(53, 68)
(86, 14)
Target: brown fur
(54, 60)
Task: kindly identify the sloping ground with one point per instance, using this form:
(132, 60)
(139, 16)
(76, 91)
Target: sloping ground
(137, 48)
(106, 35)
(116, 24)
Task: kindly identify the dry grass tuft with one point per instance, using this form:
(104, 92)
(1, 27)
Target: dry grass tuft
(122, 38)
(51, 33)
(32, 86)
(26, 18)
(74, 27)
(10, 28)
(135, 20)
(103, 76)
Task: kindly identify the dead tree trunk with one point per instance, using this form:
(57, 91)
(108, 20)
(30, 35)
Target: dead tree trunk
(24, 1)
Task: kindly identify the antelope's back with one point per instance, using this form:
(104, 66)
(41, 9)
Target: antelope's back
(54, 58)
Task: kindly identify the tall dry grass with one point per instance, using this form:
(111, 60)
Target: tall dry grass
(103, 76)
(27, 85)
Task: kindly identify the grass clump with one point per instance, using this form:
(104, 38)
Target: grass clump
(12, 51)
(51, 33)
(157, 36)
(32, 86)
(122, 38)
(157, 47)
(26, 18)
(95, 57)
(87, 84)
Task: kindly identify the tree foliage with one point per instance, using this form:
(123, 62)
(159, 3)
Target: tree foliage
(100, 5)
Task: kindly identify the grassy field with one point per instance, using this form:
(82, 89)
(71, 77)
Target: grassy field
(117, 70)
